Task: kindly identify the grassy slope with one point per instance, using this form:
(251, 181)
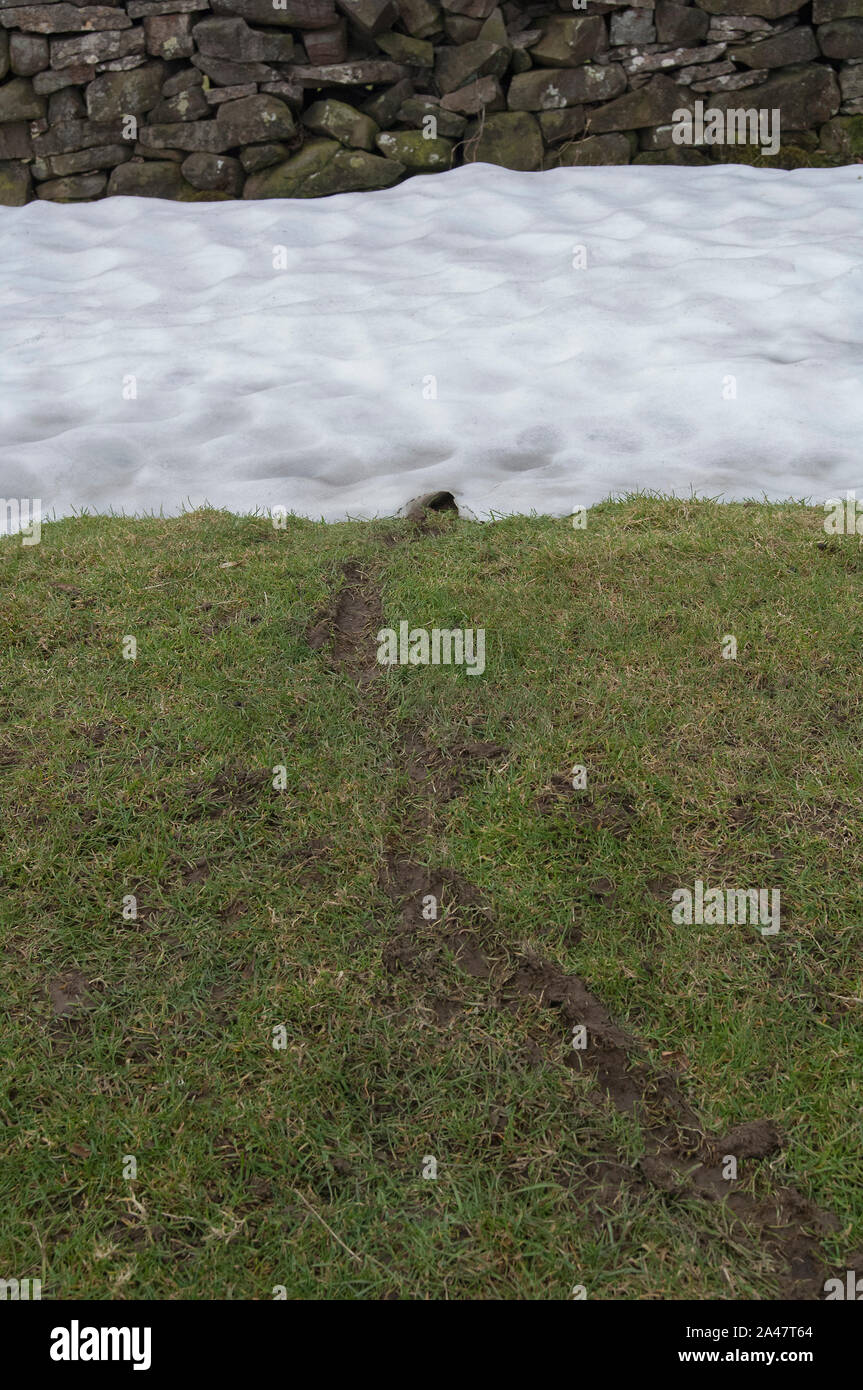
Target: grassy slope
(302, 1167)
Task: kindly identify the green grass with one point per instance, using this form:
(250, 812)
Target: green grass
(302, 1167)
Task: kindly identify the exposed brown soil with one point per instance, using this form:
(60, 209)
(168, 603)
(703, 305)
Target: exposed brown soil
(72, 997)
(220, 794)
(70, 994)
(681, 1158)
(437, 775)
(419, 941)
(99, 734)
(598, 808)
(197, 873)
(346, 629)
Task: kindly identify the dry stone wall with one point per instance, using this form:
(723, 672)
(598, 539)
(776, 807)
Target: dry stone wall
(213, 99)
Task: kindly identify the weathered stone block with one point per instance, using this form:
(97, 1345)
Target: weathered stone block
(369, 72)
(680, 24)
(149, 179)
(19, 102)
(144, 152)
(645, 63)
(418, 155)
(736, 28)
(806, 96)
(169, 36)
(650, 105)
(384, 106)
(191, 104)
(842, 38)
(80, 188)
(324, 46)
(420, 18)
(456, 67)
(15, 186)
(214, 173)
(596, 149)
(234, 40)
(139, 9)
(28, 54)
(256, 157)
(64, 19)
(116, 94)
(44, 83)
(704, 72)
(520, 38)
(561, 125)
(217, 96)
(192, 136)
(69, 136)
(227, 74)
(565, 42)
(851, 83)
(511, 139)
(289, 92)
(486, 94)
(15, 140)
(633, 26)
(797, 46)
(96, 48)
(458, 28)
(133, 60)
(476, 9)
(82, 161)
(370, 16)
(228, 37)
(299, 14)
(322, 167)
(660, 137)
(548, 89)
(66, 105)
(825, 10)
(339, 121)
(259, 118)
(494, 29)
(181, 81)
(449, 123)
(414, 53)
(843, 135)
(766, 9)
(733, 82)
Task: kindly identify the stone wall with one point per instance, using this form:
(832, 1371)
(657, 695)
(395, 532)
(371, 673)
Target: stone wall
(213, 99)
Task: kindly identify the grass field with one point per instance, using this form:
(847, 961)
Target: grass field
(235, 1032)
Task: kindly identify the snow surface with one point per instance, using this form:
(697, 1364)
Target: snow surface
(306, 387)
